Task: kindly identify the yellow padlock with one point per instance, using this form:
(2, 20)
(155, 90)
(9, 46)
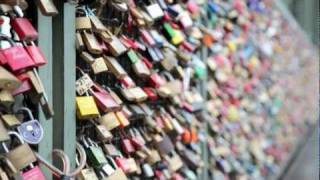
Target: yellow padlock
(177, 38)
(233, 113)
(86, 107)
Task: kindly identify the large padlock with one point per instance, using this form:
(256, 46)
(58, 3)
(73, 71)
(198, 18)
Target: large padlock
(20, 156)
(31, 130)
(15, 56)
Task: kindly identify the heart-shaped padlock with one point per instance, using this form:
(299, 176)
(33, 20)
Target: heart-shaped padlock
(31, 130)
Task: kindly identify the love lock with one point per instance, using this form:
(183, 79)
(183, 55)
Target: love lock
(31, 130)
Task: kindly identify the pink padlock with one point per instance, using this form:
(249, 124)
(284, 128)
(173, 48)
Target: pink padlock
(33, 174)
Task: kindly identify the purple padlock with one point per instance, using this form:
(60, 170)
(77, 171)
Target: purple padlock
(31, 130)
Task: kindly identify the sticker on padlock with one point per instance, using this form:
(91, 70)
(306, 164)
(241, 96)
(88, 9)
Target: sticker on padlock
(30, 130)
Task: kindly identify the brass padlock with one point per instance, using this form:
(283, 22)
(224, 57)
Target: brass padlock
(10, 120)
(4, 136)
(6, 98)
(47, 7)
(109, 120)
(99, 65)
(7, 80)
(91, 43)
(22, 155)
(115, 67)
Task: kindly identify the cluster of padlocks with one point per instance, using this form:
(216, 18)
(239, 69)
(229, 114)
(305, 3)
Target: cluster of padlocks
(165, 89)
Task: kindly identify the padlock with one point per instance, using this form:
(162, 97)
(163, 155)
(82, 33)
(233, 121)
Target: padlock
(115, 46)
(99, 66)
(111, 150)
(103, 133)
(115, 67)
(104, 100)
(169, 61)
(23, 27)
(127, 146)
(154, 10)
(10, 120)
(147, 170)
(163, 143)
(15, 56)
(6, 98)
(22, 155)
(91, 43)
(4, 136)
(141, 69)
(47, 7)
(118, 173)
(109, 120)
(95, 153)
(36, 54)
(86, 107)
(31, 130)
(124, 122)
(84, 83)
(174, 161)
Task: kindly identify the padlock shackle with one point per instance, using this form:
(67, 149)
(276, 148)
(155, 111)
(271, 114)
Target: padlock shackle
(66, 172)
(64, 159)
(28, 112)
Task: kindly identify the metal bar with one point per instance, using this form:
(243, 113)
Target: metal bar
(64, 79)
(45, 43)
(203, 91)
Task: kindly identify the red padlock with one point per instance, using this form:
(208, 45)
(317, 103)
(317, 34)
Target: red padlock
(127, 82)
(152, 95)
(24, 29)
(16, 57)
(36, 54)
(155, 80)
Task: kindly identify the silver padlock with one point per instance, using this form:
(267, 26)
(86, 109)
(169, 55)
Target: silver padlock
(5, 29)
(31, 130)
(147, 170)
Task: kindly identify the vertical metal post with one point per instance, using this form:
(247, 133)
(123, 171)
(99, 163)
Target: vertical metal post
(64, 62)
(45, 43)
(203, 90)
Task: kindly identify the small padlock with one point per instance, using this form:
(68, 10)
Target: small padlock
(31, 130)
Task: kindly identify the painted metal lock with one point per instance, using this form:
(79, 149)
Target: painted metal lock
(15, 56)
(24, 29)
(36, 54)
(31, 130)
(33, 174)
(86, 107)
(95, 153)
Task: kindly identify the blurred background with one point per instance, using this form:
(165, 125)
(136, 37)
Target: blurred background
(306, 12)
(305, 164)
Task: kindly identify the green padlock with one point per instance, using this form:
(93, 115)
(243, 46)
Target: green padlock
(169, 30)
(200, 69)
(133, 56)
(95, 153)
